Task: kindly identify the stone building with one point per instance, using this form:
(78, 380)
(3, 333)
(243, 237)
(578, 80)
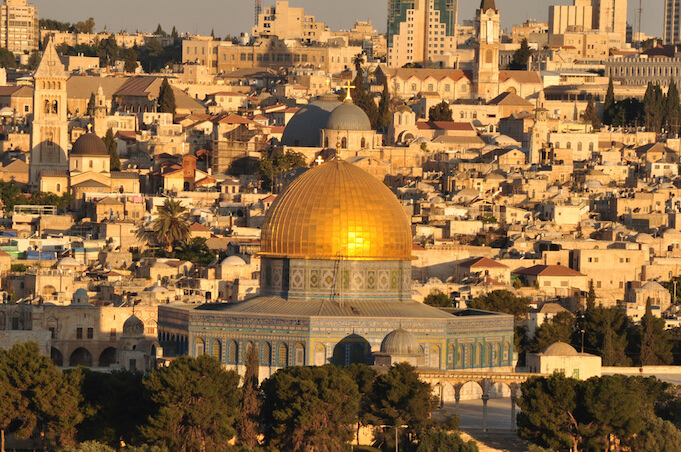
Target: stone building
(335, 281)
(564, 359)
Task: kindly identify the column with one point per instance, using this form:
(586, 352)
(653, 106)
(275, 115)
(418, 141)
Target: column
(442, 395)
(485, 398)
(513, 399)
(457, 398)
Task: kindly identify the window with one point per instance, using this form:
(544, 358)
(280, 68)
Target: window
(90, 333)
(53, 333)
(79, 333)
(112, 334)
(300, 355)
(598, 284)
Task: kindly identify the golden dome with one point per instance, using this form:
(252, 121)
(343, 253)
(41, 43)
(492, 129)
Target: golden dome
(337, 210)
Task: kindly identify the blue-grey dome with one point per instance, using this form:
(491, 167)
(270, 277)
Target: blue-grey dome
(305, 127)
(348, 116)
(401, 342)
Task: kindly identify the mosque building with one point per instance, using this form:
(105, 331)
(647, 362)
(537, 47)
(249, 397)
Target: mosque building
(336, 288)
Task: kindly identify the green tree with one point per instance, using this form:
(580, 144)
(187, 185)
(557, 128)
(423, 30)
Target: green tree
(91, 105)
(12, 406)
(605, 331)
(159, 31)
(557, 329)
(171, 225)
(130, 61)
(34, 60)
(112, 147)
(609, 103)
(658, 435)
(194, 250)
(521, 57)
(655, 348)
(361, 97)
(384, 116)
(166, 98)
(247, 423)
(272, 165)
(439, 299)
(7, 59)
(672, 108)
(502, 301)
(50, 404)
(174, 33)
(108, 51)
(118, 406)
(364, 377)
(591, 115)
(654, 107)
(309, 408)
(90, 446)
(440, 112)
(196, 405)
(591, 297)
(87, 26)
(399, 397)
(437, 440)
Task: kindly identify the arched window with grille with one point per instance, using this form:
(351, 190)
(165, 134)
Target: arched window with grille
(283, 355)
(266, 354)
(299, 355)
(216, 350)
(232, 352)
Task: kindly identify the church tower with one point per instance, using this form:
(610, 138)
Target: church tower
(49, 131)
(100, 112)
(539, 130)
(486, 77)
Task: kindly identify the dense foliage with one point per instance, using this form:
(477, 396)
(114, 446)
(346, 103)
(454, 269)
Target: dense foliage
(521, 57)
(171, 225)
(275, 164)
(502, 301)
(440, 112)
(11, 195)
(112, 149)
(166, 98)
(597, 414)
(438, 299)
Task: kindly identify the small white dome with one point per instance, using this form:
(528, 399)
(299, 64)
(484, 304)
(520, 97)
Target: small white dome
(233, 261)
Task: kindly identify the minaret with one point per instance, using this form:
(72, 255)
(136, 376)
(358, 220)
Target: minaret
(539, 130)
(49, 130)
(486, 77)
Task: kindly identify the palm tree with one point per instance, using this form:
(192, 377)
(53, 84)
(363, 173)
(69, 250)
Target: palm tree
(358, 61)
(171, 225)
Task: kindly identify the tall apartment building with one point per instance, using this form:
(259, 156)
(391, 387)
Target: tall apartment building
(285, 22)
(672, 21)
(421, 31)
(18, 26)
(570, 17)
(610, 16)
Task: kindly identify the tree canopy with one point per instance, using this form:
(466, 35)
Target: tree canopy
(521, 57)
(307, 408)
(166, 98)
(196, 403)
(438, 299)
(440, 112)
(272, 165)
(171, 225)
(502, 301)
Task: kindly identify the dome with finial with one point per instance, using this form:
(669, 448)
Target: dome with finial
(89, 144)
(133, 327)
(348, 116)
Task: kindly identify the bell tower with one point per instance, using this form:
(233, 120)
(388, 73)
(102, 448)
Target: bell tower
(49, 130)
(486, 77)
(100, 112)
(539, 130)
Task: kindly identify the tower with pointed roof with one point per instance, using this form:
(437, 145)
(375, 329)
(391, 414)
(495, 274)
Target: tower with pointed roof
(539, 130)
(49, 130)
(486, 77)
(100, 112)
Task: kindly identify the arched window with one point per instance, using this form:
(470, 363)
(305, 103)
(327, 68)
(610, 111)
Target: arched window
(414, 87)
(299, 356)
(591, 147)
(434, 357)
(216, 350)
(569, 145)
(47, 107)
(459, 356)
(319, 355)
(344, 143)
(489, 56)
(363, 143)
(91, 164)
(326, 142)
(58, 188)
(199, 347)
(266, 354)
(232, 352)
(450, 356)
(55, 107)
(579, 146)
(283, 355)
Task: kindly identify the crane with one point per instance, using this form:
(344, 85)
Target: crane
(258, 10)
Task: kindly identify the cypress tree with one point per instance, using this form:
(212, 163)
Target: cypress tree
(247, 424)
(384, 119)
(673, 108)
(166, 98)
(91, 105)
(110, 143)
(591, 115)
(609, 104)
(655, 346)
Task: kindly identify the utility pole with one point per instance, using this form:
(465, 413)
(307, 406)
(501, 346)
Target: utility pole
(640, 14)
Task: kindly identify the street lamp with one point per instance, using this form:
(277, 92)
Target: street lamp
(396, 427)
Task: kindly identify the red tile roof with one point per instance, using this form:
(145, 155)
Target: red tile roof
(548, 270)
(481, 262)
